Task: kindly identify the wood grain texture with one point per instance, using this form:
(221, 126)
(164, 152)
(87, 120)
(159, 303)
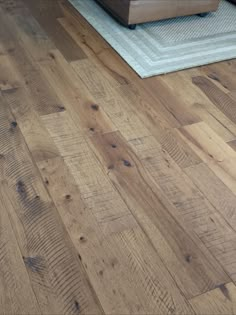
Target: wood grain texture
(47, 12)
(15, 290)
(111, 251)
(220, 196)
(58, 280)
(149, 207)
(117, 194)
(221, 99)
(112, 216)
(217, 154)
(218, 301)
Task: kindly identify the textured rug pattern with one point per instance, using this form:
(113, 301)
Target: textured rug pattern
(170, 45)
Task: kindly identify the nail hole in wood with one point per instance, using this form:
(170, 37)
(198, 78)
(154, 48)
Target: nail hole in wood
(95, 107)
(77, 306)
(82, 239)
(188, 258)
(13, 124)
(127, 163)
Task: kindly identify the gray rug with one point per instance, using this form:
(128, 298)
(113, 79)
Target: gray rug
(166, 46)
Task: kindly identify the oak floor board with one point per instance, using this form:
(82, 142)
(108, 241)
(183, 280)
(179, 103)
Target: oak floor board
(232, 144)
(75, 95)
(189, 206)
(223, 73)
(15, 289)
(216, 153)
(220, 301)
(113, 103)
(170, 141)
(121, 105)
(26, 72)
(148, 205)
(106, 229)
(199, 103)
(58, 281)
(39, 142)
(220, 99)
(124, 258)
(46, 13)
(219, 195)
(29, 31)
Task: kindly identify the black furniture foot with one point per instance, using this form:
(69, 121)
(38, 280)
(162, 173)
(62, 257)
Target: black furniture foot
(203, 14)
(132, 26)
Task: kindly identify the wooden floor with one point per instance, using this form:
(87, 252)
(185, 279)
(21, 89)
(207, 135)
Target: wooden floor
(117, 195)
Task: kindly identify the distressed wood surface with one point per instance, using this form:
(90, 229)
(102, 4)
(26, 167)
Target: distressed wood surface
(117, 195)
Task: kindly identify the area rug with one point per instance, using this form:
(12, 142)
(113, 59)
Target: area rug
(170, 45)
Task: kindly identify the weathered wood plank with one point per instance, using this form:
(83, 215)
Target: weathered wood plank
(72, 91)
(46, 15)
(199, 103)
(15, 286)
(58, 279)
(154, 214)
(24, 72)
(113, 250)
(221, 99)
(218, 155)
(219, 195)
(220, 301)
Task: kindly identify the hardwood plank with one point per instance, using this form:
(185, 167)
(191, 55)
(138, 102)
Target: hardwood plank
(216, 120)
(121, 105)
(45, 7)
(157, 87)
(222, 100)
(191, 209)
(115, 106)
(208, 144)
(21, 103)
(170, 140)
(219, 156)
(221, 73)
(109, 209)
(232, 144)
(33, 37)
(63, 41)
(56, 274)
(199, 103)
(103, 200)
(151, 209)
(15, 287)
(8, 79)
(219, 301)
(36, 136)
(120, 256)
(23, 69)
(72, 91)
(219, 195)
(100, 85)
